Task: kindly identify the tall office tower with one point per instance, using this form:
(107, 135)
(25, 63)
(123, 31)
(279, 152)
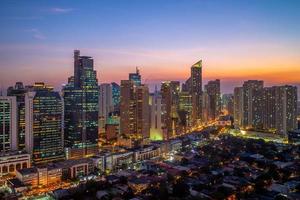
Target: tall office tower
(196, 91)
(19, 92)
(185, 110)
(212, 100)
(227, 104)
(116, 96)
(238, 106)
(81, 96)
(155, 101)
(187, 85)
(127, 108)
(134, 110)
(43, 132)
(142, 112)
(8, 123)
(165, 91)
(136, 77)
(170, 100)
(252, 104)
(105, 100)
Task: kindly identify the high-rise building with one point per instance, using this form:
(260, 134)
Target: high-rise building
(196, 91)
(212, 100)
(252, 104)
(105, 100)
(142, 111)
(19, 92)
(136, 77)
(116, 96)
(238, 106)
(227, 104)
(185, 110)
(170, 104)
(134, 110)
(43, 119)
(272, 109)
(81, 96)
(127, 108)
(280, 109)
(156, 131)
(8, 123)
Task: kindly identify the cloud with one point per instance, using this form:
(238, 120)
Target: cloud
(36, 33)
(58, 10)
(25, 18)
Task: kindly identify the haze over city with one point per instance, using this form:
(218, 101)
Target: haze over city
(237, 40)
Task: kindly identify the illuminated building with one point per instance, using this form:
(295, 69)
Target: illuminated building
(127, 108)
(155, 101)
(135, 77)
(12, 161)
(170, 101)
(116, 96)
(19, 92)
(43, 133)
(42, 176)
(280, 109)
(134, 110)
(105, 102)
(238, 106)
(227, 104)
(252, 104)
(272, 109)
(196, 91)
(81, 96)
(185, 109)
(212, 100)
(8, 123)
(142, 108)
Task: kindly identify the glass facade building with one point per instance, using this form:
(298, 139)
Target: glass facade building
(43, 132)
(81, 109)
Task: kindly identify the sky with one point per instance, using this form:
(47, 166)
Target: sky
(237, 40)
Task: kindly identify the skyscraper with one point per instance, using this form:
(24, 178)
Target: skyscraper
(196, 91)
(43, 133)
(170, 104)
(134, 110)
(252, 104)
(155, 101)
(271, 109)
(105, 100)
(81, 96)
(280, 109)
(238, 106)
(135, 77)
(127, 108)
(185, 109)
(212, 100)
(116, 96)
(19, 92)
(227, 104)
(8, 123)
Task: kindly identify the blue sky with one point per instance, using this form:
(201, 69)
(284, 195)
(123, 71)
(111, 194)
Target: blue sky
(248, 38)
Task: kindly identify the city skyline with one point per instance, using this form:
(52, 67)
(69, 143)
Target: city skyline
(260, 44)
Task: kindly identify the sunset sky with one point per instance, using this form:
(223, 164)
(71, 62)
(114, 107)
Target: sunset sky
(237, 40)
